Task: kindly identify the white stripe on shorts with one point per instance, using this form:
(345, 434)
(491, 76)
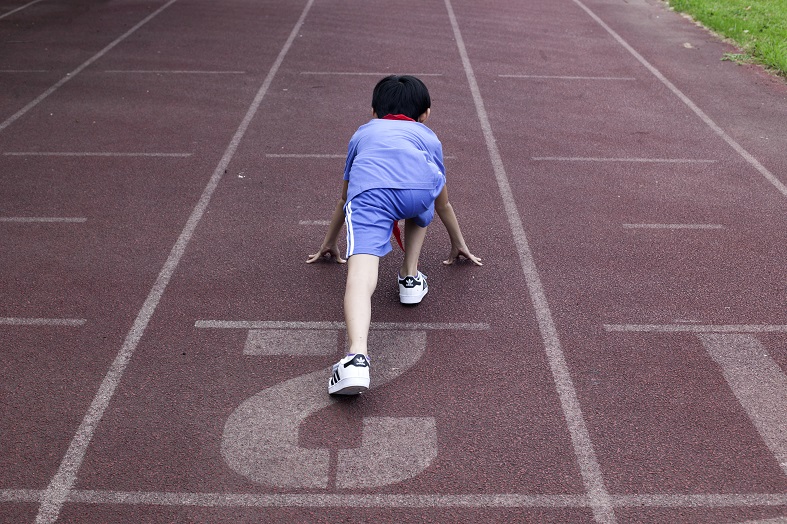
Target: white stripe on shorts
(349, 224)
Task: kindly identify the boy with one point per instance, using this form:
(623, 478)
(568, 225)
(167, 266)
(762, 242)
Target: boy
(394, 171)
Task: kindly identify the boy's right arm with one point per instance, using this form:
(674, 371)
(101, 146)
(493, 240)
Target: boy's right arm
(446, 213)
(329, 245)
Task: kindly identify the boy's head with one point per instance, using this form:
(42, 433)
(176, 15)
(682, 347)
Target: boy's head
(400, 95)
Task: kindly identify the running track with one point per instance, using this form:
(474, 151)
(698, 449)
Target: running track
(166, 168)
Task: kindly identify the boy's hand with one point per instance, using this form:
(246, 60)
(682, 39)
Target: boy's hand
(329, 251)
(457, 252)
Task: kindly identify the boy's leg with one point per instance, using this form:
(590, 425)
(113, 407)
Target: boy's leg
(414, 236)
(361, 282)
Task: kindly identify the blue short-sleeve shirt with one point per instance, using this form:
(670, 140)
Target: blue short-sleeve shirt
(394, 154)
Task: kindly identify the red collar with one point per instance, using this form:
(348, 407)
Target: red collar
(398, 117)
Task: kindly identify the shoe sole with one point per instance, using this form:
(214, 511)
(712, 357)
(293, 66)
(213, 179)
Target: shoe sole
(412, 299)
(349, 386)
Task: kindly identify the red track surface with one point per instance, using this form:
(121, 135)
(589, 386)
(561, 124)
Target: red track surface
(620, 357)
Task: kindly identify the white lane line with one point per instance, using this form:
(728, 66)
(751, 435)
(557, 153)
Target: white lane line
(94, 153)
(367, 73)
(20, 321)
(70, 220)
(705, 500)
(509, 500)
(328, 500)
(602, 159)
(502, 500)
(264, 324)
(323, 155)
(172, 72)
(572, 411)
(16, 116)
(62, 483)
(696, 328)
(9, 13)
(304, 155)
(757, 382)
(770, 177)
(20, 495)
(314, 223)
(673, 226)
(552, 77)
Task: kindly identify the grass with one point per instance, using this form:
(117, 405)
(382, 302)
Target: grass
(758, 27)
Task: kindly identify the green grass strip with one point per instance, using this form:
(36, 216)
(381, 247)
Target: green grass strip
(759, 27)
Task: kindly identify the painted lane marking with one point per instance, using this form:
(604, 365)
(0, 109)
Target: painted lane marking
(383, 500)
(304, 155)
(362, 73)
(322, 155)
(260, 438)
(697, 328)
(757, 382)
(68, 220)
(592, 478)
(551, 77)
(703, 500)
(19, 9)
(314, 223)
(602, 159)
(21, 495)
(404, 326)
(94, 153)
(19, 321)
(13, 118)
(61, 484)
(171, 72)
(770, 177)
(673, 226)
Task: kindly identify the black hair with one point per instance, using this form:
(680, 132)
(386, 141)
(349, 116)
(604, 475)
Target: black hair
(400, 95)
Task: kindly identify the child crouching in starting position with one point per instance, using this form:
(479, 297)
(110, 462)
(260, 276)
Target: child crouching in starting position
(394, 171)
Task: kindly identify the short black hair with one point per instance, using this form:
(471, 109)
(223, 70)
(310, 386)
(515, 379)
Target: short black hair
(400, 95)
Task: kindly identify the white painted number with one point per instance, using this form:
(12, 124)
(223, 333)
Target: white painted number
(260, 439)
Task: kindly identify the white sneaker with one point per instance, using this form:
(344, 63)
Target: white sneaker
(350, 376)
(412, 289)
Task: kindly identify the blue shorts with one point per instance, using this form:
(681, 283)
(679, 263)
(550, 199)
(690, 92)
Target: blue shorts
(370, 216)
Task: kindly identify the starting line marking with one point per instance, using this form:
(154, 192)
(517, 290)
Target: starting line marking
(303, 155)
(400, 326)
(601, 159)
(77, 220)
(673, 226)
(172, 72)
(97, 153)
(18, 321)
(698, 328)
(361, 73)
(314, 223)
(503, 500)
(553, 77)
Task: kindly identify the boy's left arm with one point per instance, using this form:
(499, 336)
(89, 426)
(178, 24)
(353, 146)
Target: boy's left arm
(446, 213)
(329, 245)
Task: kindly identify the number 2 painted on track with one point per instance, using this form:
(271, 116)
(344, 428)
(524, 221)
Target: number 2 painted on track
(260, 439)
